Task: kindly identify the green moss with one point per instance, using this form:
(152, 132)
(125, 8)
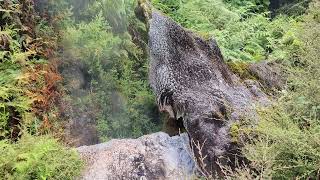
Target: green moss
(144, 11)
(234, 132)
(205, 35)
(241, 69)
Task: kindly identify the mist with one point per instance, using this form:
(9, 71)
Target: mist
(103, 62)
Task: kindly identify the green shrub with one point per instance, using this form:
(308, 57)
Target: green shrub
(14, 103)
(249, 7)
(243, 34)
(292, 7)
(123, 103)
(283, 148)
(286, 143)
(38, 158)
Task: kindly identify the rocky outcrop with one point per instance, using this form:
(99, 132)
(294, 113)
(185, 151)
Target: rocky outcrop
(269, 74)
(193, 84)
(155, 156)
(196, 88)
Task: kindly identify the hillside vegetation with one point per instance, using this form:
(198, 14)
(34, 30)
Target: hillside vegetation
(28, 96)
(87, 61)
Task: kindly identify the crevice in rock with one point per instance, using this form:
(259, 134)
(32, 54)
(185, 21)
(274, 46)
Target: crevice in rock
(173, 126)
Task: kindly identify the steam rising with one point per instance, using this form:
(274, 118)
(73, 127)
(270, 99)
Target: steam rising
(104, 70)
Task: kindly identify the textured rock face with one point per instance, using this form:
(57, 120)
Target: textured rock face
(192, 82)
(269, 74)
(155, 156)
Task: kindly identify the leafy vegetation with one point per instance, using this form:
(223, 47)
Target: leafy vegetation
(28, 93)
(103, 47)
(243, 33)
(38, 158)
(288, 134)
(28, 81)
(100, 41)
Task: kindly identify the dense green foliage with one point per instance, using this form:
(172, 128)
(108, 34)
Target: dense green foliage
(38, 158)
(289, 133)
(241, 33)
(27, 92)
(98, 37)
(13, 100)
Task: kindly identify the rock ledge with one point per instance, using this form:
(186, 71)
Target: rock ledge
(155, 156)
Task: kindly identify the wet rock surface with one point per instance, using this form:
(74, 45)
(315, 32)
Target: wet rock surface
(155, 156)
(192, 82)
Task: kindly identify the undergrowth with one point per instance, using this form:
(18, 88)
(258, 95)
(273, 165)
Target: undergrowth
(28, 96)
(28, 90)
(109, 43)
(285, 144)
(289, 133)
(243, 30)
(38, 158)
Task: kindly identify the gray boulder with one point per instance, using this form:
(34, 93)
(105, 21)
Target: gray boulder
(155, 156)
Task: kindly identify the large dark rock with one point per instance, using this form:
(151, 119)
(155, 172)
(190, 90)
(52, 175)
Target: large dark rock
(192, 83)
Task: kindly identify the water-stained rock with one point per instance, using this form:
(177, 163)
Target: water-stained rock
(192, 83)
(155, 156)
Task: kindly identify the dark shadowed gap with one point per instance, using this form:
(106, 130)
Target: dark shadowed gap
(173, 126)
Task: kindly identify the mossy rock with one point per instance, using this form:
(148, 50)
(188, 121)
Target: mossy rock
(143, 11)
(241, 69)
(240, 131)
(234, 132)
